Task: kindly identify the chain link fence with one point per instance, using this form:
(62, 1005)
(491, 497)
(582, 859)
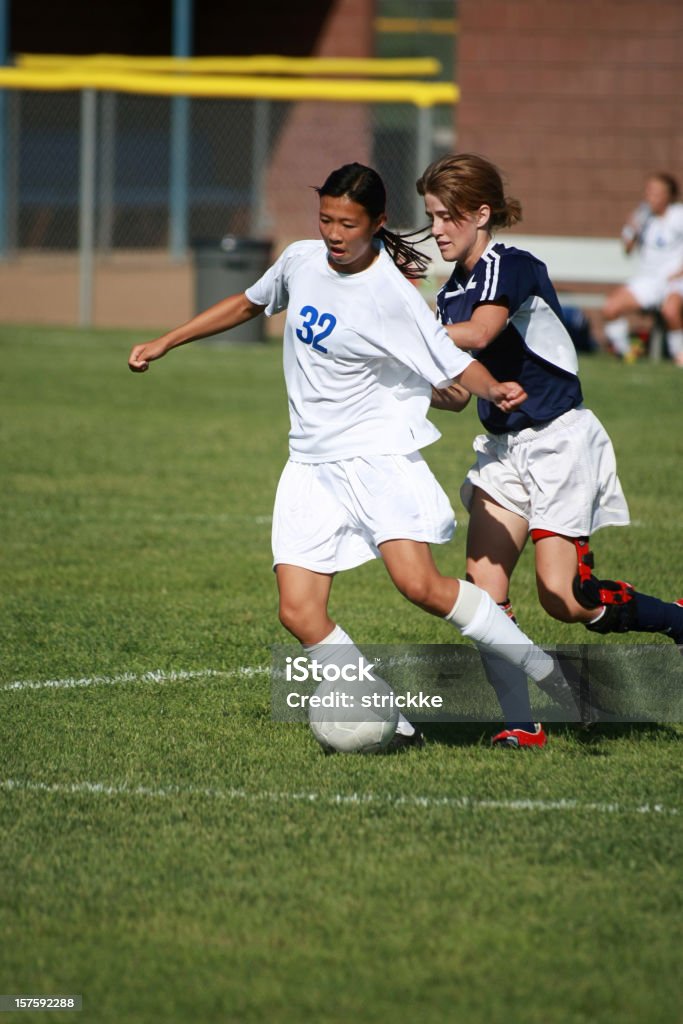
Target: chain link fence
(170, 171)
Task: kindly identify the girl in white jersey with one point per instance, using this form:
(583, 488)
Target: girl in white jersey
(545, 469)
(361, 355)
(655, 233)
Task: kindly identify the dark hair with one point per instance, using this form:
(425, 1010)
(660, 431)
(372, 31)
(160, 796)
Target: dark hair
(364, 186)
(670, 182)
(464, 182)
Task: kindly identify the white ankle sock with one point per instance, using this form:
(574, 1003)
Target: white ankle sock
(617, 332)
(674, 341)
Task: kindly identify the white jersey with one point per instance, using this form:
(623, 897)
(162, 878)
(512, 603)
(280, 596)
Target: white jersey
(361, 353)
(660, 247)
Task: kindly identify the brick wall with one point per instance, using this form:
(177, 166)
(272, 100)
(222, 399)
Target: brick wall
(576, 100)
(320, 136)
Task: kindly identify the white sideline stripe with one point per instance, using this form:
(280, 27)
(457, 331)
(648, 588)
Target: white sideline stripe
(156, 676)
(461, 803)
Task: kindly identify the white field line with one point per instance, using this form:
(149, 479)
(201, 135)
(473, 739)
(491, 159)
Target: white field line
(156, 676)
(458, 803)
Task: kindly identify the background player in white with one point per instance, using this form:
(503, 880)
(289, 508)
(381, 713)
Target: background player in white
(546, 468)
(655, 232)
(361, 354)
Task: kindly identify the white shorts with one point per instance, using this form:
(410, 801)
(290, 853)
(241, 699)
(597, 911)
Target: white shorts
(649, 290)
(331, 516)
(675, 287)
(560, 477)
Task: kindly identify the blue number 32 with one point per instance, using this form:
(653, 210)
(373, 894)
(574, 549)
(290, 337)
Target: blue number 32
(325, 321)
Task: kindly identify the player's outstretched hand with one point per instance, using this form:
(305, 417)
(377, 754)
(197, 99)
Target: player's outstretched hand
(508, 395)
(142, 355)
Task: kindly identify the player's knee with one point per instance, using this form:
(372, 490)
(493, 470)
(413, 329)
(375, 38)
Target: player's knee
(417, 589)
(559, 605)
(293, 615)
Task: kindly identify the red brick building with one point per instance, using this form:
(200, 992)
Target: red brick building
(577, 100)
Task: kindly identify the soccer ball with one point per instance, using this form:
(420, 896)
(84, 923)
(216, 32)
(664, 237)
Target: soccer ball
(339, 728)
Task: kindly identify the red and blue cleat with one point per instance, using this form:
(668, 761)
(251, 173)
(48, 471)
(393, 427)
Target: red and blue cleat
(515, 738)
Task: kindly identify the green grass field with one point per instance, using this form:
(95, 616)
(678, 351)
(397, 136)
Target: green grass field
(172, 854)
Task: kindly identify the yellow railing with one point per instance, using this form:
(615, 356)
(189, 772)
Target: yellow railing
(399, 67)
(417, 26)
(74, 77)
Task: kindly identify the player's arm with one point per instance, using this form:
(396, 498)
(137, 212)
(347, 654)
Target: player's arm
(632, 231)
(507, 395)
(485, 324)
(453, 398)
(227, 313)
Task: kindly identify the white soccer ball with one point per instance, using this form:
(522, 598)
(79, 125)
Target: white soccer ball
(340, 728)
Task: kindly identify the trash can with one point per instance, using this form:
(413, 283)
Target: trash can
(226, 268)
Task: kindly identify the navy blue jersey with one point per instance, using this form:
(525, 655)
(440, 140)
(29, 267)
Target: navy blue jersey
(534, 348)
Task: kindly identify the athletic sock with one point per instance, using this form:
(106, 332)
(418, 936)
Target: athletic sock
(478, 617)
(512, 690)
(674, 341)
(617, 332)
(654, 616)
(496, 634)
(647, 614)
(509, 683)
(339, 649)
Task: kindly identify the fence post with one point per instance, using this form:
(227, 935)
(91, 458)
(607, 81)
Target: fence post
(180, 132)
(423, 155)
(107, 171)
(4, 129)
(259, 162)
(180, 136)
(86, 215)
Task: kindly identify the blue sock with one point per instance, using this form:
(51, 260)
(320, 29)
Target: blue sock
(655, 616)
(512, 690)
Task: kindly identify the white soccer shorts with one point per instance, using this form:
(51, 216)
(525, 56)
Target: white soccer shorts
(560, 477)
(331, 516)
(649, 290)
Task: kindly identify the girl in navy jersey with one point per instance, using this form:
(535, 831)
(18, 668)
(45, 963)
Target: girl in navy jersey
(545, 469)
(361, 355)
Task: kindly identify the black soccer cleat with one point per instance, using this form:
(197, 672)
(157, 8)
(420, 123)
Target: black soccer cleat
(400, 741)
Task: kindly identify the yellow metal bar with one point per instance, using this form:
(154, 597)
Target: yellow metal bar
(405, 67)
(417, 26)
(419, 94)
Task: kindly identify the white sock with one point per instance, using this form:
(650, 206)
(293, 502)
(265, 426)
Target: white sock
(617, 332)
(478, 617)
(674, 341)
(337, 648)
(509, 683)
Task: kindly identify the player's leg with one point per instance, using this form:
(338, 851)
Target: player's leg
(304, 597)
(615, 312)
(570, 592)
(672, 313)
(556, 567)
(412, 569)
(495, 540)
